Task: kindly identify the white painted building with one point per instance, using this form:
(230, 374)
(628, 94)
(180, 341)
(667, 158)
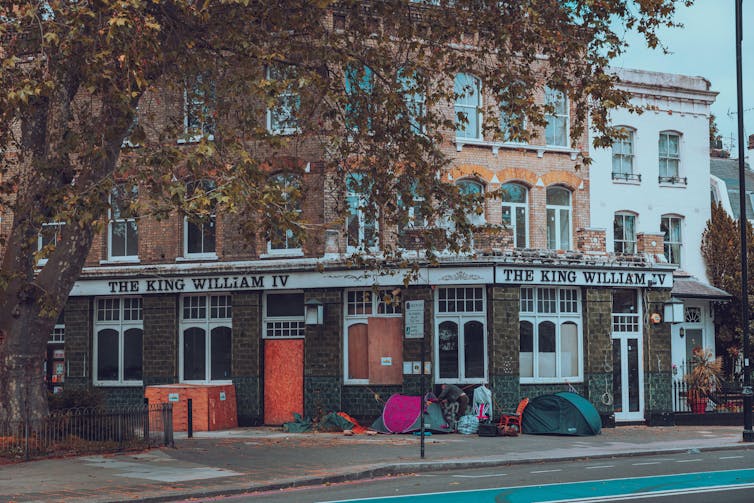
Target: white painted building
(655, 183)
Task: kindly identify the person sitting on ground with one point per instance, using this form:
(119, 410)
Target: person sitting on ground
(451, 396)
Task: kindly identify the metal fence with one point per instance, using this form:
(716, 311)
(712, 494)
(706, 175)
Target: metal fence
(725, 400)
(88, 430)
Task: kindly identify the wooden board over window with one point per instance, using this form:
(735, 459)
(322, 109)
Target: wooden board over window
(385, 350)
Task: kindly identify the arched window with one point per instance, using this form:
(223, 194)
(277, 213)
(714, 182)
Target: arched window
(468, 103)
(558, 218)
(624, 232)
(516, 212)
(473, 188)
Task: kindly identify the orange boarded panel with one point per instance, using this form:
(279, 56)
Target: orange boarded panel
(385, 351)
(213, 406)
(358, 350)
(283, 380)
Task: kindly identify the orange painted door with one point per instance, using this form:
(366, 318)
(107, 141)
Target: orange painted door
(283, 380)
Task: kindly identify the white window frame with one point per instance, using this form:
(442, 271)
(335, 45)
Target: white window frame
(558, 318)
(207, 186)
(466, 104)
(207, 323)
(505, 120)
(558, 99)
(121, 221)
(557, 212)
(289, 327)
(625, 158)
(415, 102)
(362, 218)
(460, 318)
(289, 252)
(678, 220)
(515, 224)
(121, 326)
(473, 217)
(205, 128)
(666, 157)
(355, 318)
(630, 243)
(56, 238)
(283, 97)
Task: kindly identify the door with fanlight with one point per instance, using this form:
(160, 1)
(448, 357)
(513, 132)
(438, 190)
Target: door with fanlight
(628, 372)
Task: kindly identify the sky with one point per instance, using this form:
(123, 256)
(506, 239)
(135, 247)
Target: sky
(705, 46)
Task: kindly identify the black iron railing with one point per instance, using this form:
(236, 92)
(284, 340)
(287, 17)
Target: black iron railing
(88, 430)
(674, 180)
(629, 177)
(727, 399)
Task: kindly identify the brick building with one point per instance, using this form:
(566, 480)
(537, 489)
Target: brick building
(534, 310)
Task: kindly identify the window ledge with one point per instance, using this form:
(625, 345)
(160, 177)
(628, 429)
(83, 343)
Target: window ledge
(626, 182)
(355, 382)
(197, 257)
(293, 253)
(120, 260)
(194, 139)
(551, 380)
(117, 384)
(225, 382)
(497, 145)
(283, 132)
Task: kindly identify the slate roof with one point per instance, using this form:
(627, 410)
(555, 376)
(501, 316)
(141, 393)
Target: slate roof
(727, 171)
(690, 287)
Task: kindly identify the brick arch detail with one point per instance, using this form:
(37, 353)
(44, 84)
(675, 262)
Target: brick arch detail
(526, 176)
(471, 171)
(564, 178)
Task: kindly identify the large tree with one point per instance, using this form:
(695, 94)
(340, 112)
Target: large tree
(75, 76)
(721, 250)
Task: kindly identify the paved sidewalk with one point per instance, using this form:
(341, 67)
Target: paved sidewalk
(252, 459)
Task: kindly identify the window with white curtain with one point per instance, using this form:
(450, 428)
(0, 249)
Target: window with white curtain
(550, 345)
(624, 232)
(558, 218)
(670, 225)
(515, 199)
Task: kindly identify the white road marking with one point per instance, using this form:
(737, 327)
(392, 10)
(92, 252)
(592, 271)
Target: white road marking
(480, 476)
(654, 494)
(598, 467)
(546, 471)
(687, 460)
(730, 457)
(646, 463)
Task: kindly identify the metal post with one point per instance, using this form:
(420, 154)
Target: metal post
(190, 418)
(421, 392)
(748, 435)
(147, 440)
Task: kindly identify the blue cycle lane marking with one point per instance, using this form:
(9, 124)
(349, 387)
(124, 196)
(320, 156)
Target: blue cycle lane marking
(581, 490)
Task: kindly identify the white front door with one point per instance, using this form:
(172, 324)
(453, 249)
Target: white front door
(628, 378)
(628, 369)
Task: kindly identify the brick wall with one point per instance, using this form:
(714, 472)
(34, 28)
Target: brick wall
(247, 354)
(160, 360)
(652, 244)
(590, 240)
(598, 349)
(78, 337)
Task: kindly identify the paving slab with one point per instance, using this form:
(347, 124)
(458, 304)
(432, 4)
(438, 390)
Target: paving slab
(255, 459)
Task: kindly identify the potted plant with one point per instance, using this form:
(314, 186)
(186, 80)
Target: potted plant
(703, 379)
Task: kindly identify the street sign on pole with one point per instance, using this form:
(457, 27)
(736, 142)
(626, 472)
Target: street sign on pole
(414, 321)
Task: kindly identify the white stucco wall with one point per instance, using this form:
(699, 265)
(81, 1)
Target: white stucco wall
(681, 104)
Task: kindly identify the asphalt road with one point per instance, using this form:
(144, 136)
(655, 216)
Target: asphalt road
(692, 477)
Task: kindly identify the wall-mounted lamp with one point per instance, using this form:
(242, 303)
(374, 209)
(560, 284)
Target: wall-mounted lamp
(315, 312)
(651, 283)
(682, 332)
(673, 311)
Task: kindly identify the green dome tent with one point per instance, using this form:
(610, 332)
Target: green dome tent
(563, 413)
